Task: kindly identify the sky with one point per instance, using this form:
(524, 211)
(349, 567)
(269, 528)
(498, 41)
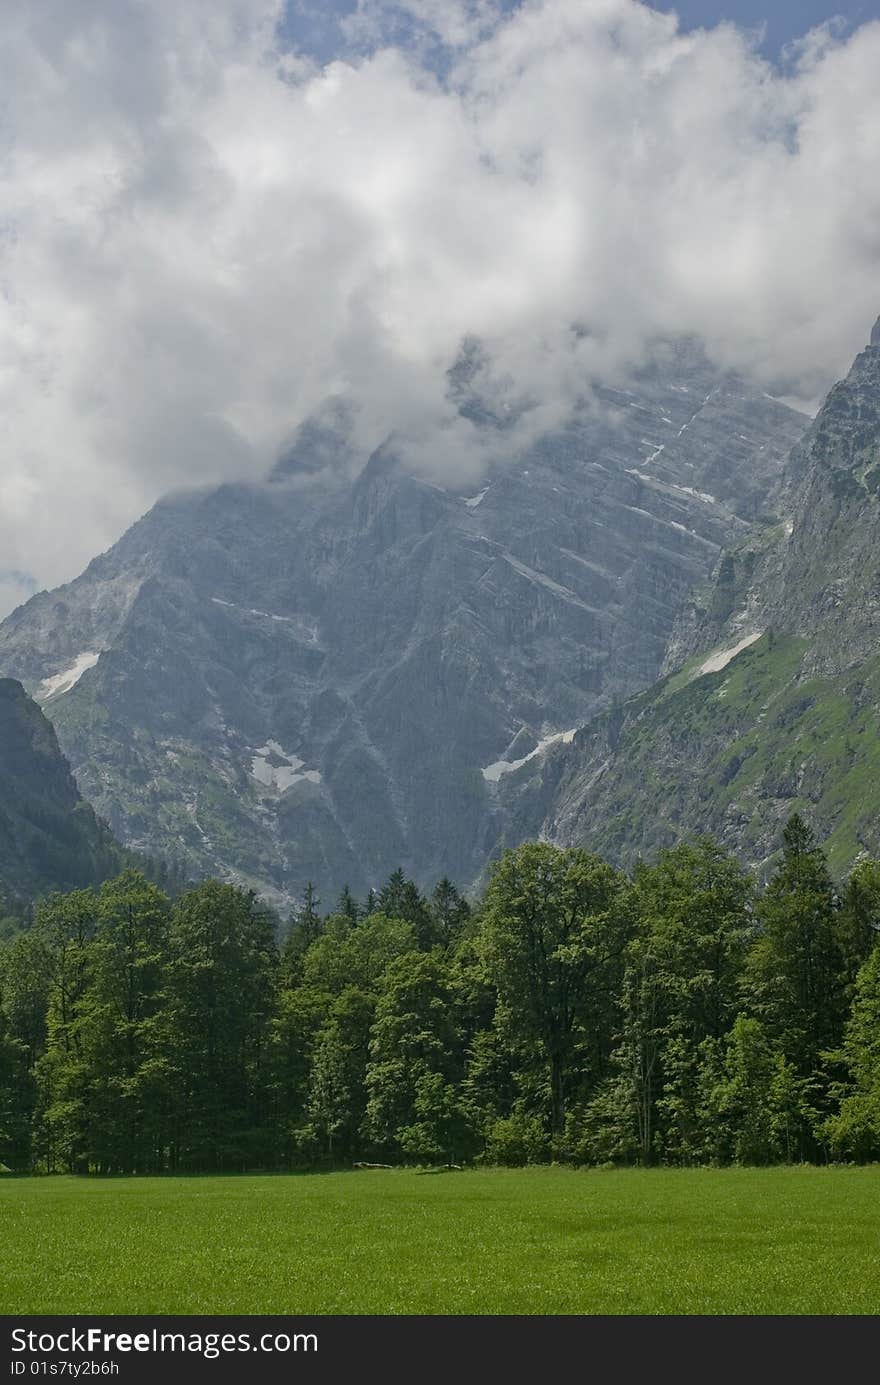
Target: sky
(317, 26)
(217, 214)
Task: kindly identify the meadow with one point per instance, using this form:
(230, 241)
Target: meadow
(545, 1240)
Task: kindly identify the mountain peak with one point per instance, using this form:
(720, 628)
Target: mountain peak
(875, 334)
(320, 681)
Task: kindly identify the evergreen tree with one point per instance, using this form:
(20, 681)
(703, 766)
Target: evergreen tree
(796, 974)
(119, 1036)
(348, 906)
(222, 978)
(694, 923)
(400, 898)
(303, 928)
(61, 948)
(99, 1106)
(449, 911)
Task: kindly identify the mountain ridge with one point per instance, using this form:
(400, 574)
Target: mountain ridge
(50, 838)
(322, 678)
(785, 722)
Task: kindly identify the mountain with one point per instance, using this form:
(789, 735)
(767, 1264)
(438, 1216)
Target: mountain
(319, 677)
(772, 700)
(49, 838)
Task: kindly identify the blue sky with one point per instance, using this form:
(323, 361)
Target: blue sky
(313, 25)
(784, 22)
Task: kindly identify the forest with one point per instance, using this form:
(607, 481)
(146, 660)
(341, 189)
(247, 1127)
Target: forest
(686, 1014)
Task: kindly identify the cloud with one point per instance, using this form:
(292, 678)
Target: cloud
(202, 236)
(15, 588)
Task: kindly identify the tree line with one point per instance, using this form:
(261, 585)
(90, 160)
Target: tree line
(682, 1015)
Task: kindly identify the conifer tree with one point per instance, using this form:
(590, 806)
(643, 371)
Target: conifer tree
(796, 984)
(222, 977)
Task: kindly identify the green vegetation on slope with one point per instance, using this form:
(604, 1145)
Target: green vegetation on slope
(738, 751)
(795, 1240)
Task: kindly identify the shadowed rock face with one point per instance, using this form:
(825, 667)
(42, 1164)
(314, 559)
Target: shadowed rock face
(784, 717)
(49, 838)
(306, 679)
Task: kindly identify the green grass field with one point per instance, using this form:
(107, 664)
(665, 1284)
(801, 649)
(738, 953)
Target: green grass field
(795, 1240)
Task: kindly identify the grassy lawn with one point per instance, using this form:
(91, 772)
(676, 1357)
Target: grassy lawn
(795, 1240)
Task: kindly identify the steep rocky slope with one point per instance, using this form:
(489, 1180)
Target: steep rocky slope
(776, 706)
(318, 679)
(49, 838)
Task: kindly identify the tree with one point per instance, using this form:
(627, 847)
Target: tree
(440, 1129)
(554, 930)
(337, 1087)
(796, 983)
(310, 1047)
(857, 924)
(760, 1108)
(15, 1099)
(348, 906)
(414, 1037)
(58, 949)
(304, 927)
(854, 1131)
(99, 1102)
(221, 1001)
(449, 911)
(694, 921)
(345, 956)
(400, 898)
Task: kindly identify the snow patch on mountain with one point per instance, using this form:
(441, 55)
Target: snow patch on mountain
(493, 773)
(699, 495)
(252, 611)
(472, 501)
(278, 770)
(63, 682)
(718, 661)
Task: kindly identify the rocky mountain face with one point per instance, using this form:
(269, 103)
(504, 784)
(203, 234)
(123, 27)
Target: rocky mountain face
(772, 699)
(318, 678)
(49, 838)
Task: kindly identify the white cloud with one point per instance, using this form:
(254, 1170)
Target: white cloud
(201, 238)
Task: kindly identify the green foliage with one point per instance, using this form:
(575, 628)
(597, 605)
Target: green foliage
(554, 926)
(727, 752)
(796, 975)
(858, 922)
(400, 898)
(414, 1056)
(685, 1016)
(854, 1131)
(681, 990)
(221, 983)
(337, 1081)
(99, 1102)
(517, 1140)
